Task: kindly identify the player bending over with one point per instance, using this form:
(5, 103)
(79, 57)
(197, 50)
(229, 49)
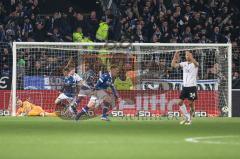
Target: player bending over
(101, 96)
(189, 91)
(72, 83)
(27, 108)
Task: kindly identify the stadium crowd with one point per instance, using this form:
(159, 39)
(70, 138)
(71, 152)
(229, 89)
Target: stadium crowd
(199, 21)
(163, 21)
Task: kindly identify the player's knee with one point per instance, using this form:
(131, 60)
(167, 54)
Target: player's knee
(191, 102)
(92, 102)
(180, 102)
(61, 102)
(57, 101)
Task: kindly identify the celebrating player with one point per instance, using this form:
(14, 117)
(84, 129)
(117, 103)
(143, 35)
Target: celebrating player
(27, 108)
(101, 96)
(189, 91)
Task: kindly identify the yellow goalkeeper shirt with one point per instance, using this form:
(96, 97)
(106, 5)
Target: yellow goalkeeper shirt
(26, 107)
(123, 85)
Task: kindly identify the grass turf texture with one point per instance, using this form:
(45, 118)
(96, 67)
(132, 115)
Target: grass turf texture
(42, 138)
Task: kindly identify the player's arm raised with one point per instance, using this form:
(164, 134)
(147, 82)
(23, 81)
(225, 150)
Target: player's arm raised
(175, 60)
(100, 81)
(192, 59)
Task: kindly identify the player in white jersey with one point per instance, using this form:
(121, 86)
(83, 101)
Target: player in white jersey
(189, 91)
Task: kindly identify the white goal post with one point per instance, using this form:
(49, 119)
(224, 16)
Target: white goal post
(155, 85)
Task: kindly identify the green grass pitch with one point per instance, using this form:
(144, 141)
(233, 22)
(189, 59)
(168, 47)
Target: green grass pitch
(43, 138)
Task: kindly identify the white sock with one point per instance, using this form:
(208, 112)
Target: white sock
(184, 111)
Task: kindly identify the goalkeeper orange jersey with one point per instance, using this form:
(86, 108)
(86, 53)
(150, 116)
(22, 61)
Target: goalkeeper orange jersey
(30, 109)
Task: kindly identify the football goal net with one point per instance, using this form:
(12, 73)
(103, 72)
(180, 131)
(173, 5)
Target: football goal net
(146, 82)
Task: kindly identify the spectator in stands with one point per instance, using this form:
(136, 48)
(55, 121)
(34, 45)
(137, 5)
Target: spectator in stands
(27, 28)
(3, 12)
(187, 35)
(103, 31)
(212, 73)
(160, 69)
(2, 34)
(6, 70)
(55, 36)
(80, 21)
(65, 28)
(40, 33)
(140, 21)
(92, 25)
(78, 35)
(37, 69)
(217, 37)
(235, 76)
(6, 62)
(6, 57)
(122, 82)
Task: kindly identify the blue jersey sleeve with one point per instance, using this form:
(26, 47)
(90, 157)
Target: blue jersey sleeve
(104, 82)
(68, 80)
(101, 80)
(69, 87)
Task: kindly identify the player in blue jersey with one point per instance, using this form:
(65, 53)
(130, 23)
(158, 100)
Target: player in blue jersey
(72, 83)
(70, 88)
(100, 96)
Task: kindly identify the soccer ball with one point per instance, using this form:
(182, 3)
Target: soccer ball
(225, 109)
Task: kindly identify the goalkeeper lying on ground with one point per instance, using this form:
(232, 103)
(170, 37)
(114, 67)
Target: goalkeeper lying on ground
(29, 109)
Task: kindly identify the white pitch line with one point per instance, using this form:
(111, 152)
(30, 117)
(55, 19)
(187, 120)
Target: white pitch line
(208, 140)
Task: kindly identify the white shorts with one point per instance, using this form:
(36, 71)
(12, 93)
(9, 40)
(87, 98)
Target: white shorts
(101, 94)
(84, 93)
(62, 96)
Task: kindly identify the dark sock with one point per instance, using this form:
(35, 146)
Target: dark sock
(84, 111)
(104, 111)
(78, 101)
(74, 109)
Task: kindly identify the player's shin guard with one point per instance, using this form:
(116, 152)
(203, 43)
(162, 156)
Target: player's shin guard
(84, 111)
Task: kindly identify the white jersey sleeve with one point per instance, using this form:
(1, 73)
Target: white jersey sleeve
(77, 78)
(182, 64)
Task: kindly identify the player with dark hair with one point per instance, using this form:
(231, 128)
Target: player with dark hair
(100, 96)
(189, 91)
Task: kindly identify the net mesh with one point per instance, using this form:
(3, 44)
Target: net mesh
(146, 81)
